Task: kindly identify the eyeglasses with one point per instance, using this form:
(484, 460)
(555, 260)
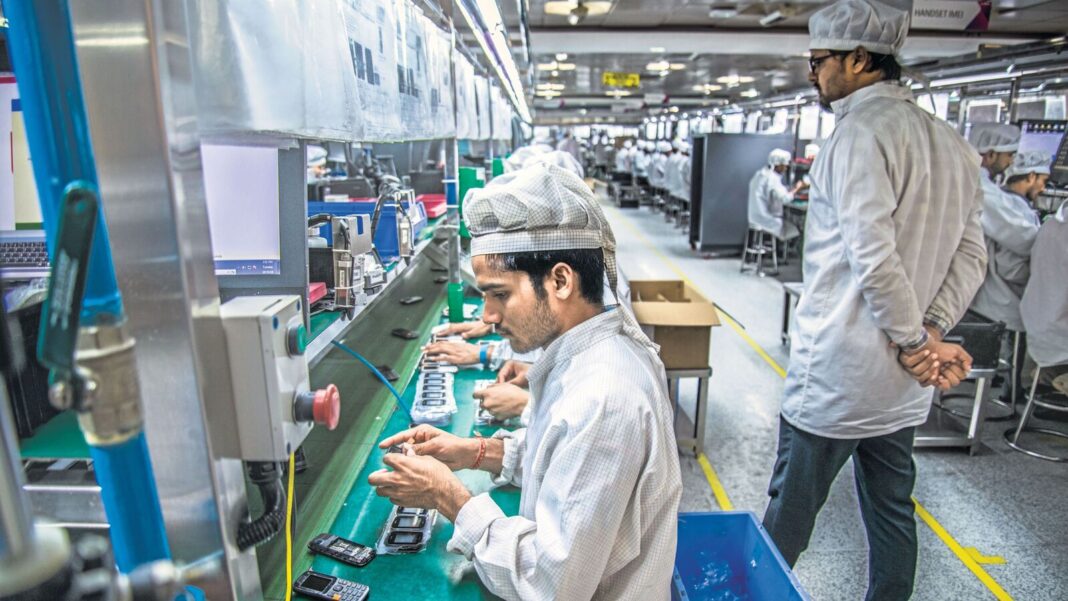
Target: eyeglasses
(815, 61)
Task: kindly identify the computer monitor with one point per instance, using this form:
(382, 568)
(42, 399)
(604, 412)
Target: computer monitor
(19, 206)
(1043, 136)
(241, 189)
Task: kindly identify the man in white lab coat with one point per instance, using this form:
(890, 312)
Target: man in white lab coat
(683, 171)
(598, 465)
(1044, 307)
(658, 169)
(1010, 225)
(892, 259)
(767, 195)
(570, 145)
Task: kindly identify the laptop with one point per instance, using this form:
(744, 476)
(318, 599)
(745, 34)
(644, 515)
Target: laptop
(23, 255)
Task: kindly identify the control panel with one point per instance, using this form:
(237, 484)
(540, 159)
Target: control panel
(274, 406)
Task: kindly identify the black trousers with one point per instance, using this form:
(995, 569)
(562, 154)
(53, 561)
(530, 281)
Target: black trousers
(885, 475)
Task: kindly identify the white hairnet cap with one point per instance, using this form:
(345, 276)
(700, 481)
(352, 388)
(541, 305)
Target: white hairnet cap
(627, 144)
(541, 208)
(561, 159)
(994, 136)
(524, 154)
(674, 144)
(847, 24)
(779, 157)
(1034, 161)
(663, 146)
(684, 146)
(315, 155)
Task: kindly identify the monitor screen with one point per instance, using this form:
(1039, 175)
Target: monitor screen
(1043, 136)
(19, 208)
(241, 189)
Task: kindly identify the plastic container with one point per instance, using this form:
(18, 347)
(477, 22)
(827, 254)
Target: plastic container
(433, 203)
(728, 556)
(386, 235)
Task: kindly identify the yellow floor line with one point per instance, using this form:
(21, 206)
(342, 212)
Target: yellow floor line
(713, 481)
(961, 553)
(971, 558)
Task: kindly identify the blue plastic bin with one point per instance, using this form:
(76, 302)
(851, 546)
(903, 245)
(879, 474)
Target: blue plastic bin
(729, 556)
(386, 236)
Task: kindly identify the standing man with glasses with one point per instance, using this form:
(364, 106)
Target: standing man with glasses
(893, 255)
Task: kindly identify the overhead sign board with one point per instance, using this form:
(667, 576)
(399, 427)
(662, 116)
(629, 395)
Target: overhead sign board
(952, 15)
(621, 80)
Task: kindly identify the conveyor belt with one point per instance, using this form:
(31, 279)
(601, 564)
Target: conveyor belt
(333, 495)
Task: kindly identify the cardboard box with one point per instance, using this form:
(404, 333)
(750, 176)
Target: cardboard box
(676, 317)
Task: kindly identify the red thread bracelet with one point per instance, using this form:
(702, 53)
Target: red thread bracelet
(481, 451)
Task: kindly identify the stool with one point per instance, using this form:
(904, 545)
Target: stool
(1012, 436)
(757, 246)
(690, 435)
(1013, 367)
(788, 289)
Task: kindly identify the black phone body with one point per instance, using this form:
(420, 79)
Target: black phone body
(405, 334)
(329, 588)
(343, 550)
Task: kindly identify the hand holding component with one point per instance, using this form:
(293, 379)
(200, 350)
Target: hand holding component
(469, 329)
(455, 452)
(514, 372)
(503, 400)
(455, 353)
(422, 482)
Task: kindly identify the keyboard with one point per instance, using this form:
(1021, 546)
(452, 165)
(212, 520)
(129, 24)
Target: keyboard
(23, 259)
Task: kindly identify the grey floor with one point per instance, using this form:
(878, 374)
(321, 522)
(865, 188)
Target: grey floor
(999, 502)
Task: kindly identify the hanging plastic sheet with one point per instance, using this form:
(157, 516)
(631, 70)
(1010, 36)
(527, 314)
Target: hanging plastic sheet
(442, 110)
(466, 101)
(256, 73)
(482, 96)
(412, 80)
(372, 37)
(502, 116)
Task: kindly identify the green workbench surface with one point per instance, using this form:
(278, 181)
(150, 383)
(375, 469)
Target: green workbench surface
(60, 438)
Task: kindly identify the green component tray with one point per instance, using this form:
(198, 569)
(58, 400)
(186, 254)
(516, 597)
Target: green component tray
(60, 438)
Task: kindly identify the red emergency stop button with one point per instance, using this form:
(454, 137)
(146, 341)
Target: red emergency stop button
(322, 406)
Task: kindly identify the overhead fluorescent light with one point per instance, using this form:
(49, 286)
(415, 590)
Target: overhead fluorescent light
(750, 93)
(564, 8)
(657, 49)
(677, 66)
(494, 43)
(707, 88)
(658, 66)
(722, 13)
(733, 80)
(562, 56)
(617, 93)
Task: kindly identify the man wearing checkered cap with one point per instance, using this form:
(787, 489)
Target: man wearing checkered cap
(598, 465)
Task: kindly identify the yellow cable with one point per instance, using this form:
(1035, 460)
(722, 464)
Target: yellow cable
(289, 529)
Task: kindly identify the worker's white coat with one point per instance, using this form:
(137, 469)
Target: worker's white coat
(767, 195)
(641, 164)
(657, 170)
(892, 238)
(1010, 227)
(1045, 301)
(599, 472)
(623, 158)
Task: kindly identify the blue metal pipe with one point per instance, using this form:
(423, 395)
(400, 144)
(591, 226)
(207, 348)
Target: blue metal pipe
(137, 531)
(42, 53)
(57, 131)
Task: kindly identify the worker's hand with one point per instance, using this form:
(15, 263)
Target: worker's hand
(503, 400)
(937, 363)
(455, 353)
(469, 329)
(514, 372)
(455, 452)
(420, 481)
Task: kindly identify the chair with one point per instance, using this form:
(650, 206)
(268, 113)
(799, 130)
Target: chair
(758, 244)
(1012, 436)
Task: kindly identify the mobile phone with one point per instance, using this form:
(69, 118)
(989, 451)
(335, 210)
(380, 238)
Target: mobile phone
(412, 511)
(410, 522)
(329, 588)
(388, 373)
(433, 402)
(410, 300)
(342, 550)
(403, 333)
(402, 538)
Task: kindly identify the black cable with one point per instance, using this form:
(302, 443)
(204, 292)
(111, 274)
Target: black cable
(268, 479)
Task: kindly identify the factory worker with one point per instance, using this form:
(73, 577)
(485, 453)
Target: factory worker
(1044, 307)
(1010, 226)
(658, 167)
(623, 158)
(316, 163)
(682, 190)
(767, 195)
(569, 145)
(597, 466)
(523, 154)
(892, 257)
(672, 170)
(640, 166)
